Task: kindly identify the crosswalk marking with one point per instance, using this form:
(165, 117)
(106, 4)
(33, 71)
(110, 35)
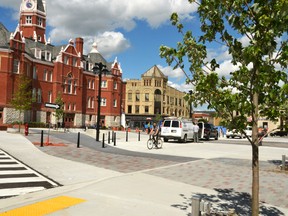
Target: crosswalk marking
(16, 178)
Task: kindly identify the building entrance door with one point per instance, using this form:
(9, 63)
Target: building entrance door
(69, 120)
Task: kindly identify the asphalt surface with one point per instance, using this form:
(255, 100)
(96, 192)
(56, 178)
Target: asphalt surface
(224, 169)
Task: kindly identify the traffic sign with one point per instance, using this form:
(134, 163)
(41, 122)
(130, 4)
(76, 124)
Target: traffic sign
(52, 105)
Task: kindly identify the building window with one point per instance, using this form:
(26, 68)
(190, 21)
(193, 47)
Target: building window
(50, 76)
(39, 21)
(38, 53)
(137, 109)
(74, 62)
(129, 96)
(50, 96)
(34, 93)
(93, 84)
(115, 103)
(75, 87)
(39, 96)
(129, 109)
(92, 102)
(89, 102)
(137, 97)
(66, 60)
(146, 97)
(28, 19)
(115, 85)
(16, 66)
(89, 84)
(45, 75)
(69, 84)
(103, 101)
(34, 72)
(146, 109)
(39, 38)
(48, 56)
(176, 102)
(104, 84)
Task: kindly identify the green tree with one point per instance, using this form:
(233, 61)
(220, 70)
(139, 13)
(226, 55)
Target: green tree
(259, 84)
(22, 99)
(59, 113)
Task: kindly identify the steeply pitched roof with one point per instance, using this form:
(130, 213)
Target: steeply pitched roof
(4, 36)
(40, 6)
(154, 72)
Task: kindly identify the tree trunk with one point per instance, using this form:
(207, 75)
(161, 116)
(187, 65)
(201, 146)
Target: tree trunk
(255, 179)
(255, 157)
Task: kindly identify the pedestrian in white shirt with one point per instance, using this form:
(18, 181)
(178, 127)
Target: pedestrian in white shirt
(196, 130)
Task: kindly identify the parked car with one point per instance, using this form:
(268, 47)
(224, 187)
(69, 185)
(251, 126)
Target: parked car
(279, 133)
(248, 131)
(207, 131)
(177, 129)
(234, 133)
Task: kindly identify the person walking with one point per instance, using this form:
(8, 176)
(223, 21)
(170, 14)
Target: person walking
(196, 130)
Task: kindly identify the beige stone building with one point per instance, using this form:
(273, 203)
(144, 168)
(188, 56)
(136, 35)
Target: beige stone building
(151, 95)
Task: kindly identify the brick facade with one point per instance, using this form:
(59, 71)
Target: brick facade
(54, 70)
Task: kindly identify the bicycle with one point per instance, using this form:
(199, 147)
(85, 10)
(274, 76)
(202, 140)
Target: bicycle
(154, 142)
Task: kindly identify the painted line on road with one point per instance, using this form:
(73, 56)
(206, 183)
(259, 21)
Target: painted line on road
(44, 207)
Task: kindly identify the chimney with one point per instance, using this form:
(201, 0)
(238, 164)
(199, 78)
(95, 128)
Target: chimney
(79, 45)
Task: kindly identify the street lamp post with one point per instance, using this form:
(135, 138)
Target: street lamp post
(190, 106)
(99, 69)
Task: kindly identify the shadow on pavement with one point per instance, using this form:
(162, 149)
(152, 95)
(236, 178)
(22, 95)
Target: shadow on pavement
(228, 199)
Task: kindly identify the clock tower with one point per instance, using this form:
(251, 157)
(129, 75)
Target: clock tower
(33, 19)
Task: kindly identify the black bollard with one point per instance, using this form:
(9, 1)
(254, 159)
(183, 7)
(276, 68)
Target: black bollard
(139, 136)
(103, 141)
(112, 135)
(78, 140)
(41, 138)
(126, 135)
(114, 138)
(109, 137)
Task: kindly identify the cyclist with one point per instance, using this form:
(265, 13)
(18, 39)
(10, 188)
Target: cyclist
(154, 132)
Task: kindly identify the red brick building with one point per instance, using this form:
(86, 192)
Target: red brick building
(53, 70)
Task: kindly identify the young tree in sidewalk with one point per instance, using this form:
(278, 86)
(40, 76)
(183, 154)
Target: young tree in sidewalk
(59, 113)
(23, 99)
(258, 83)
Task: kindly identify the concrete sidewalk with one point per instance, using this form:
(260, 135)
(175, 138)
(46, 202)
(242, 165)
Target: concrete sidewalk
(163, 190)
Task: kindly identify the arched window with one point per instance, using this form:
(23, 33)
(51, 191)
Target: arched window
(88, 102)
(69, 83)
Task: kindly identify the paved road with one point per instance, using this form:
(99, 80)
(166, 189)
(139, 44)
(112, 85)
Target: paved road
(281, 142)
(227, 174)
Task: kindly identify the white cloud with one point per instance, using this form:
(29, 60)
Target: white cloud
(102, 19)
(92, 17)
(172, 73)
(226, 67)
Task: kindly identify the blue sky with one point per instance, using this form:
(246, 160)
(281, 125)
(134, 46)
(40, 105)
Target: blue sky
(132, 31)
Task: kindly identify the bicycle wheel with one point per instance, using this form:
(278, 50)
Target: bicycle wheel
(150, 144)
(159, 143)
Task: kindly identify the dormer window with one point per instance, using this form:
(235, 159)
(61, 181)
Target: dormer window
(66, 60)
(28, 19)
(37, 53)
(48, 56)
